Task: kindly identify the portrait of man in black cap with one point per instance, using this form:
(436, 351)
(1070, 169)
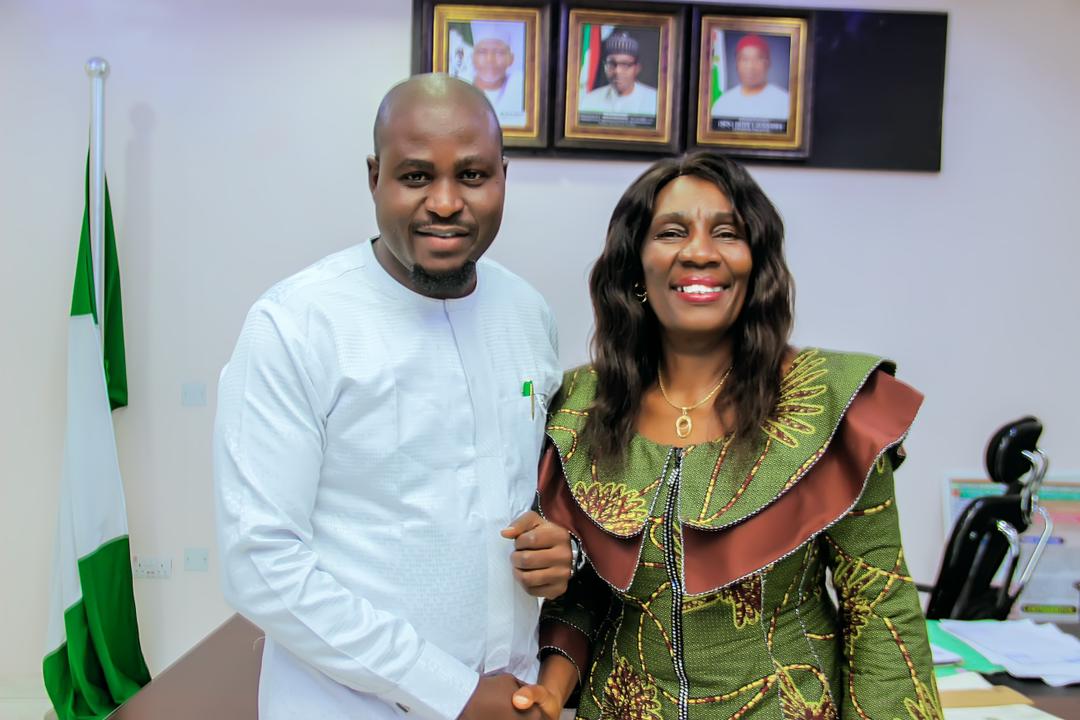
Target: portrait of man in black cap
(623, 94)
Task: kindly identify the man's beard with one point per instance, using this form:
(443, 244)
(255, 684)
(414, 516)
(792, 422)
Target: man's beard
(443, 284)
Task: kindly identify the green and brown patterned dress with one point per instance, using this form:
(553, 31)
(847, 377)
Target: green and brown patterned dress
(706, 598)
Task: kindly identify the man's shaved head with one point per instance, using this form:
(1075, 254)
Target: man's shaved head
(438, 181)
(429, 90)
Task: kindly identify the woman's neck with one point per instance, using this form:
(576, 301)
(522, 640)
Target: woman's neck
(691, 369)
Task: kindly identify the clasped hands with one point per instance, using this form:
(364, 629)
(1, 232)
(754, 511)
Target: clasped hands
(542, 562)
(503, 697)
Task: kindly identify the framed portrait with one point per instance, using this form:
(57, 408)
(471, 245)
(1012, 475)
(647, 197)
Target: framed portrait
(501, 49)
(620, 79)
(752, 90)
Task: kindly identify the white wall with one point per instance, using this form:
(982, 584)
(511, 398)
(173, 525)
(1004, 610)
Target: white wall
(236, 137)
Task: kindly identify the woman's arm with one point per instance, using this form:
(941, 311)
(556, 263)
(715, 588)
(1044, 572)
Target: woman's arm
(569, 626)
(888, 671)
(558, 678)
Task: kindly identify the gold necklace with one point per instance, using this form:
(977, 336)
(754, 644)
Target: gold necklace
(684, 425)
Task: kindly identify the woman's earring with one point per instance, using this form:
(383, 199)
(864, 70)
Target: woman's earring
(641, 293)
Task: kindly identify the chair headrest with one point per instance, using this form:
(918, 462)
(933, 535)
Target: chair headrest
(1005, 461)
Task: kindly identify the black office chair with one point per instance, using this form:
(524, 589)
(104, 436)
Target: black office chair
(987, 533)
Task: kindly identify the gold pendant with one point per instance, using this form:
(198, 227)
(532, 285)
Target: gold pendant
(684, 425)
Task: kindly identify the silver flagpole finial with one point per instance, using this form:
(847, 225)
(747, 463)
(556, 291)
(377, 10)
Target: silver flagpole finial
(97, 67)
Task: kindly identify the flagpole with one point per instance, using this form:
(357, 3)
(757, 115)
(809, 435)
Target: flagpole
(98, 69)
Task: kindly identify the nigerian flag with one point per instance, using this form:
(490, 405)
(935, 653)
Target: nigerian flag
(590, 57)
(717, 75)
(592, 51)
(93, 661)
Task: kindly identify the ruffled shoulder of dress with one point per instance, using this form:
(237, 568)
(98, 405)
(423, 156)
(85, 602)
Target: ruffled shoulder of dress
(839, 414)
(816, 394)
(569, 409)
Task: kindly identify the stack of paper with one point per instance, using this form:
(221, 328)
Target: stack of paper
(944, 656)
(998, 712)
(1025, 649)
(964, 680)
(970, 659)
(962, 699)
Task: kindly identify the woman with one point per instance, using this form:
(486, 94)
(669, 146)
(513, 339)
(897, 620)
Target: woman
(714, 475)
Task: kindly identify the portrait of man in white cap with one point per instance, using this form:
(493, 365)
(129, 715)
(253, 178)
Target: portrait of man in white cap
(497, 50)
(623, 94)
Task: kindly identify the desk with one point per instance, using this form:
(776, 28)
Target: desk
(218, 679)
(1063, 702)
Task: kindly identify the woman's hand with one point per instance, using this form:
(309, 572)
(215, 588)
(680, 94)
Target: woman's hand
(558, 678)
(538, 696)
(488, 700)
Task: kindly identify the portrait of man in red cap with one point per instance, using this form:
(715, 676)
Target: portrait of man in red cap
(754, 96)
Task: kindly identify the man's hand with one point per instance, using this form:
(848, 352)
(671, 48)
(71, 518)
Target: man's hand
(491, 700)
(541, 556)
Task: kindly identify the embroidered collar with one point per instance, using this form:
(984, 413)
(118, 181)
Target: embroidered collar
(727, 487)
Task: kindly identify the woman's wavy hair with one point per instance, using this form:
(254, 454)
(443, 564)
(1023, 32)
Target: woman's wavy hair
(626, 343)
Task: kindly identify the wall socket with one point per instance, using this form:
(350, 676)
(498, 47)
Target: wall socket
(196, 559)
(145, 566)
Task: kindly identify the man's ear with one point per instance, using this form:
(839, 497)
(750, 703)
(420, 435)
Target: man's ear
(372, 172)
(506, 166)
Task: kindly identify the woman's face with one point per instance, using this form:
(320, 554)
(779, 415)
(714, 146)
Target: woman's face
(696, 260)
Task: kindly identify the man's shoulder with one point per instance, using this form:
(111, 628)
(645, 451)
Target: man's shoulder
(515, 82)
(727, 98)
(646, 90)
(508, 284)
(596, 98)
(317, 281)
(511, 304)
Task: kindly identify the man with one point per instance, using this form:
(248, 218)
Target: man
(623, 94)
(754, 96)
(492, 58)
(379, 423)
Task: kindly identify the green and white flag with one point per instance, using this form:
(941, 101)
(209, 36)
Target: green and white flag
(716, 77)
(592, 51)
(93, 661)
(590, 56)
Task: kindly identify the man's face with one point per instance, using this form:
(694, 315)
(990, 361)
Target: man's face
(438, 186)
(622, 71)
(752, 65)
(491, 59)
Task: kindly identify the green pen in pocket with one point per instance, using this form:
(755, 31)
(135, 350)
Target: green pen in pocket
(527, 391)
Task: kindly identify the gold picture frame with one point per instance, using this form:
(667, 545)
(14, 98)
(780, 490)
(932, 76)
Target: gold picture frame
(768, 118)
(616, 107)
(505, 47)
